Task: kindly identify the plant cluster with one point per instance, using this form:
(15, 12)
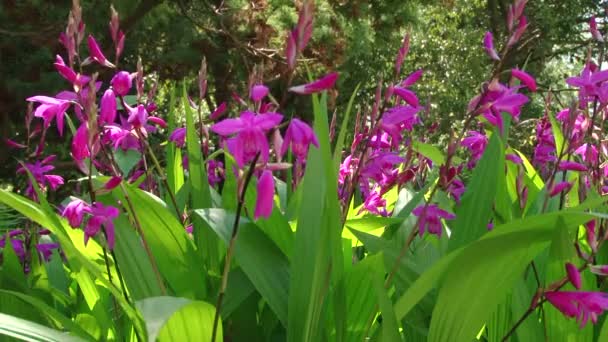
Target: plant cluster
(255, 224)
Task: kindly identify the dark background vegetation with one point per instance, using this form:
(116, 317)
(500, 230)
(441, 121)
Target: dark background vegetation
(358, 38)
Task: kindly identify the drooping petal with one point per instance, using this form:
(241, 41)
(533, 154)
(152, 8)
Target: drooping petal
(267, 121)
(560, 187)
(488, 44)
(96, 53)
(412, 78)
(407, 95)
(264, 202)
(227, 127)
(571, 166)
(319, 85)
(574, 275)
(525, 78)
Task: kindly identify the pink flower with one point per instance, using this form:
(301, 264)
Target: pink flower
(96, 54)
(178, 137)
(559, 188)
(69, 74)
(107, 110)
(250, 130)
(219, 111)
(80, 143)
(476, 143)
(412, 78)
(101, 216)
(566, 165)
(215, 172)
(112, 183)
(488, 44)
(573, 275)
(594, 31)
(429, 218)
(375, 204)
(514, 158)
(398, 119)
(50, 108)
(121, 83)
(258, 92)
(582, 305)
(138, 116)
(299, 135)
(264, 202)
(75, 211)
(319, 85)
(525, 78)
(588, 80)
(407, 95)
(39, 171)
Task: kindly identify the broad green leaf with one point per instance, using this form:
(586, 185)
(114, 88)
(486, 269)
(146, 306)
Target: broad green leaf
(133, 261)
(540, 227)
(390, 325)
(475, 210)
(126, 160)
(259, 257)
(238, 289)
(158, 310)
(317, 256)
(430, 151)
(30, 331)
(168, 241)
(193, 322)
(51, 313)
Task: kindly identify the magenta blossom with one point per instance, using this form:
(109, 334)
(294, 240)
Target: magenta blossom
(50, 108)
(559, 188)
(107, 110)
(588, 81)
(566, 165)
(398, 119)
(525, 78)
(250, 130)
(121, 83)
(488, 44)
(39, 171)
(101, 215)
(96, 54)
(74, 212)
(574, 276)
(299, 135)
(375, 204)
(429, 218)
(476, 143)
(582, 305)
(264, 202)
(407, 96)
(412, 78)
(178, 136)
(69, 74)
(319, 85)
(219, 111)
(215, 172)
(258, 92)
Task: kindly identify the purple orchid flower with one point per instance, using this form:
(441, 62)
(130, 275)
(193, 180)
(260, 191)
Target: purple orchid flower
(178, 136)
(74, 212)
(429, 217)
(50, 108)
(579, 304)
(299, 136)
(488, 44)
(101, 215)
(250, 139)
(121, 83)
